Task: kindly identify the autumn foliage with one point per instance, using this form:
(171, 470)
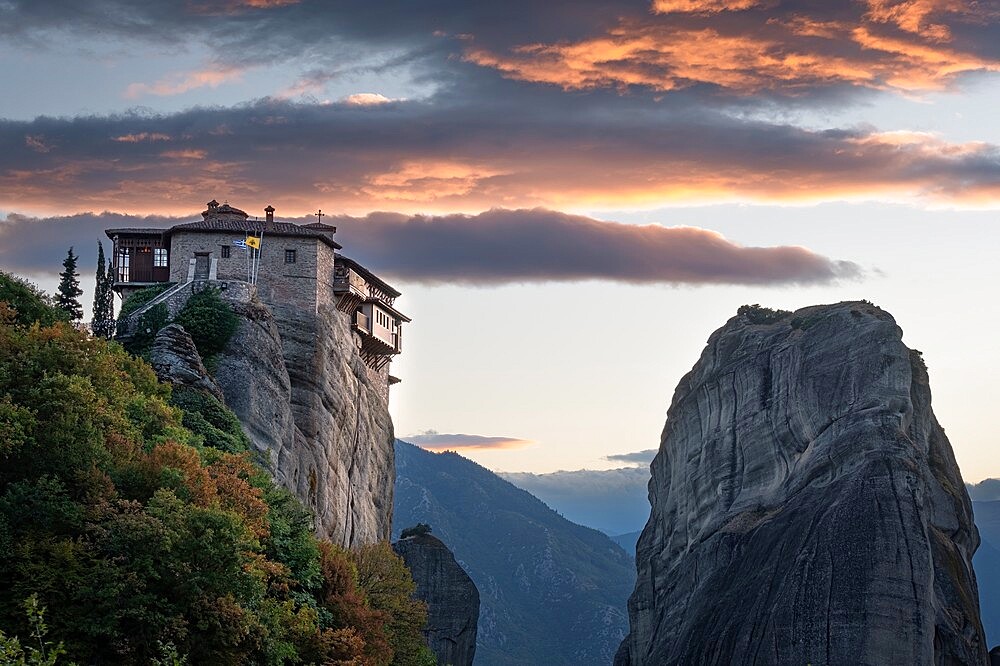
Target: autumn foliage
(143, 543)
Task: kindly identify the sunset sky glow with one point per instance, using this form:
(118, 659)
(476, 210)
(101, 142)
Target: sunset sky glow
(571, 194)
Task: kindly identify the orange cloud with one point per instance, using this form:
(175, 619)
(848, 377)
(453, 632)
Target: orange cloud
(437, 442)
(367, 99)
(182, 82)
(913, 16)
(188, 154)
(141, 136)
(777, 55)
(37, 143)
(429, 180)
(703, 6)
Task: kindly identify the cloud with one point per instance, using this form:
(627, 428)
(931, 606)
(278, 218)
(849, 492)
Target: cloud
(182, 82)
(763, 52)
(142, 136)
(634, 458)
(434, 441)
(366, 99)
(492, 248)
(530, 150)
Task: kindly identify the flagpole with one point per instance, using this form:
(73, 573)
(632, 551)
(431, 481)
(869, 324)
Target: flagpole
(260, 249)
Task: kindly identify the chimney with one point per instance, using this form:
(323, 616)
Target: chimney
(269, 215)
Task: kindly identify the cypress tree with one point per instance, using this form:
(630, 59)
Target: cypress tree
(109, 294)
(68, 293)
(103, 299)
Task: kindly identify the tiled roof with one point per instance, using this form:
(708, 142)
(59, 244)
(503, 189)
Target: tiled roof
(124, 231)
(322, 226)
(368, 275)
(254, 227)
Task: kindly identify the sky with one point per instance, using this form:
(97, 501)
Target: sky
(572, 195)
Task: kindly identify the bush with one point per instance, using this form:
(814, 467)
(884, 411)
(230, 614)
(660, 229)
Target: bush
(141, 297)
(209, 321)
(149, 324)
(211, 420)
(30, 303)
(417, 530)
(758, 314)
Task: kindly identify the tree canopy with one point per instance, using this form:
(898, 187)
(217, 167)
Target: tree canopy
(145, 529)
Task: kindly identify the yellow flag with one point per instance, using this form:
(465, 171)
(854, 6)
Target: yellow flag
(254, 242)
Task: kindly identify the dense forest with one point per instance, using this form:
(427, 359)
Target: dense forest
(136, 527)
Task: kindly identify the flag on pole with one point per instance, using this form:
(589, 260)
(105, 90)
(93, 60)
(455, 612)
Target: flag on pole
(240, 243)
(253, 241)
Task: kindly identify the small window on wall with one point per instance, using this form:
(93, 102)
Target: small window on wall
(225, 251)
(289, 256)
(160, 257)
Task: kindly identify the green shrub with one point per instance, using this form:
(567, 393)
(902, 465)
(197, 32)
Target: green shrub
(30, 303)
(149, 324)
(207, 417)
(758, 314)
(141, 297)
(209, 321)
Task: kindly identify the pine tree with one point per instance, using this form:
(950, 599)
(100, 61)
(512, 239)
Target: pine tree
(104, 304)
(68, 293)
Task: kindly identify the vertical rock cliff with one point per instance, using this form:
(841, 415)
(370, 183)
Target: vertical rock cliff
(452, 598)
(304, 397)
(806, 505)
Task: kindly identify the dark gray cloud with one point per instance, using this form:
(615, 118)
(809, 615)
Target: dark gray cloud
(827, 43)
(537, 148)
(494, 247)
(635, 457)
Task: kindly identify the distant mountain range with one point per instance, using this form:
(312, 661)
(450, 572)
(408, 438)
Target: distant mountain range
(551, 591)
(615, 502)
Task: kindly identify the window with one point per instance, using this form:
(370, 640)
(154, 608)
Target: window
(160, 257)
(123, 261)
(289, 256)
(225, 251)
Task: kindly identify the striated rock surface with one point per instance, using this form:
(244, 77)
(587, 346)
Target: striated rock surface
(304, 397)
(806, 506)
(176, 361)
(452, 598)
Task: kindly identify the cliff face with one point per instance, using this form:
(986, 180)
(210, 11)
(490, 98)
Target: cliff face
(305, 399)
(806, 506)
(451, 597)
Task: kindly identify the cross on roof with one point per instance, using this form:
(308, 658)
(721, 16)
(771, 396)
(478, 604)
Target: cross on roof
(319, 215)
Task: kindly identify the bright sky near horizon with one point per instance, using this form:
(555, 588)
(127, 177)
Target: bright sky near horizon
(572, 195)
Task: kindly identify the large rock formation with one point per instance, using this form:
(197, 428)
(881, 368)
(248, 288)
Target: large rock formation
(806, 505)
(451, 596)
(176, 361)
(305, 399)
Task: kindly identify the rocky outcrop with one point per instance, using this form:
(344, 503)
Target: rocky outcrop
(176, 361)
(806, 505)
(452, 598)
(551, 592)
(304, 397)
